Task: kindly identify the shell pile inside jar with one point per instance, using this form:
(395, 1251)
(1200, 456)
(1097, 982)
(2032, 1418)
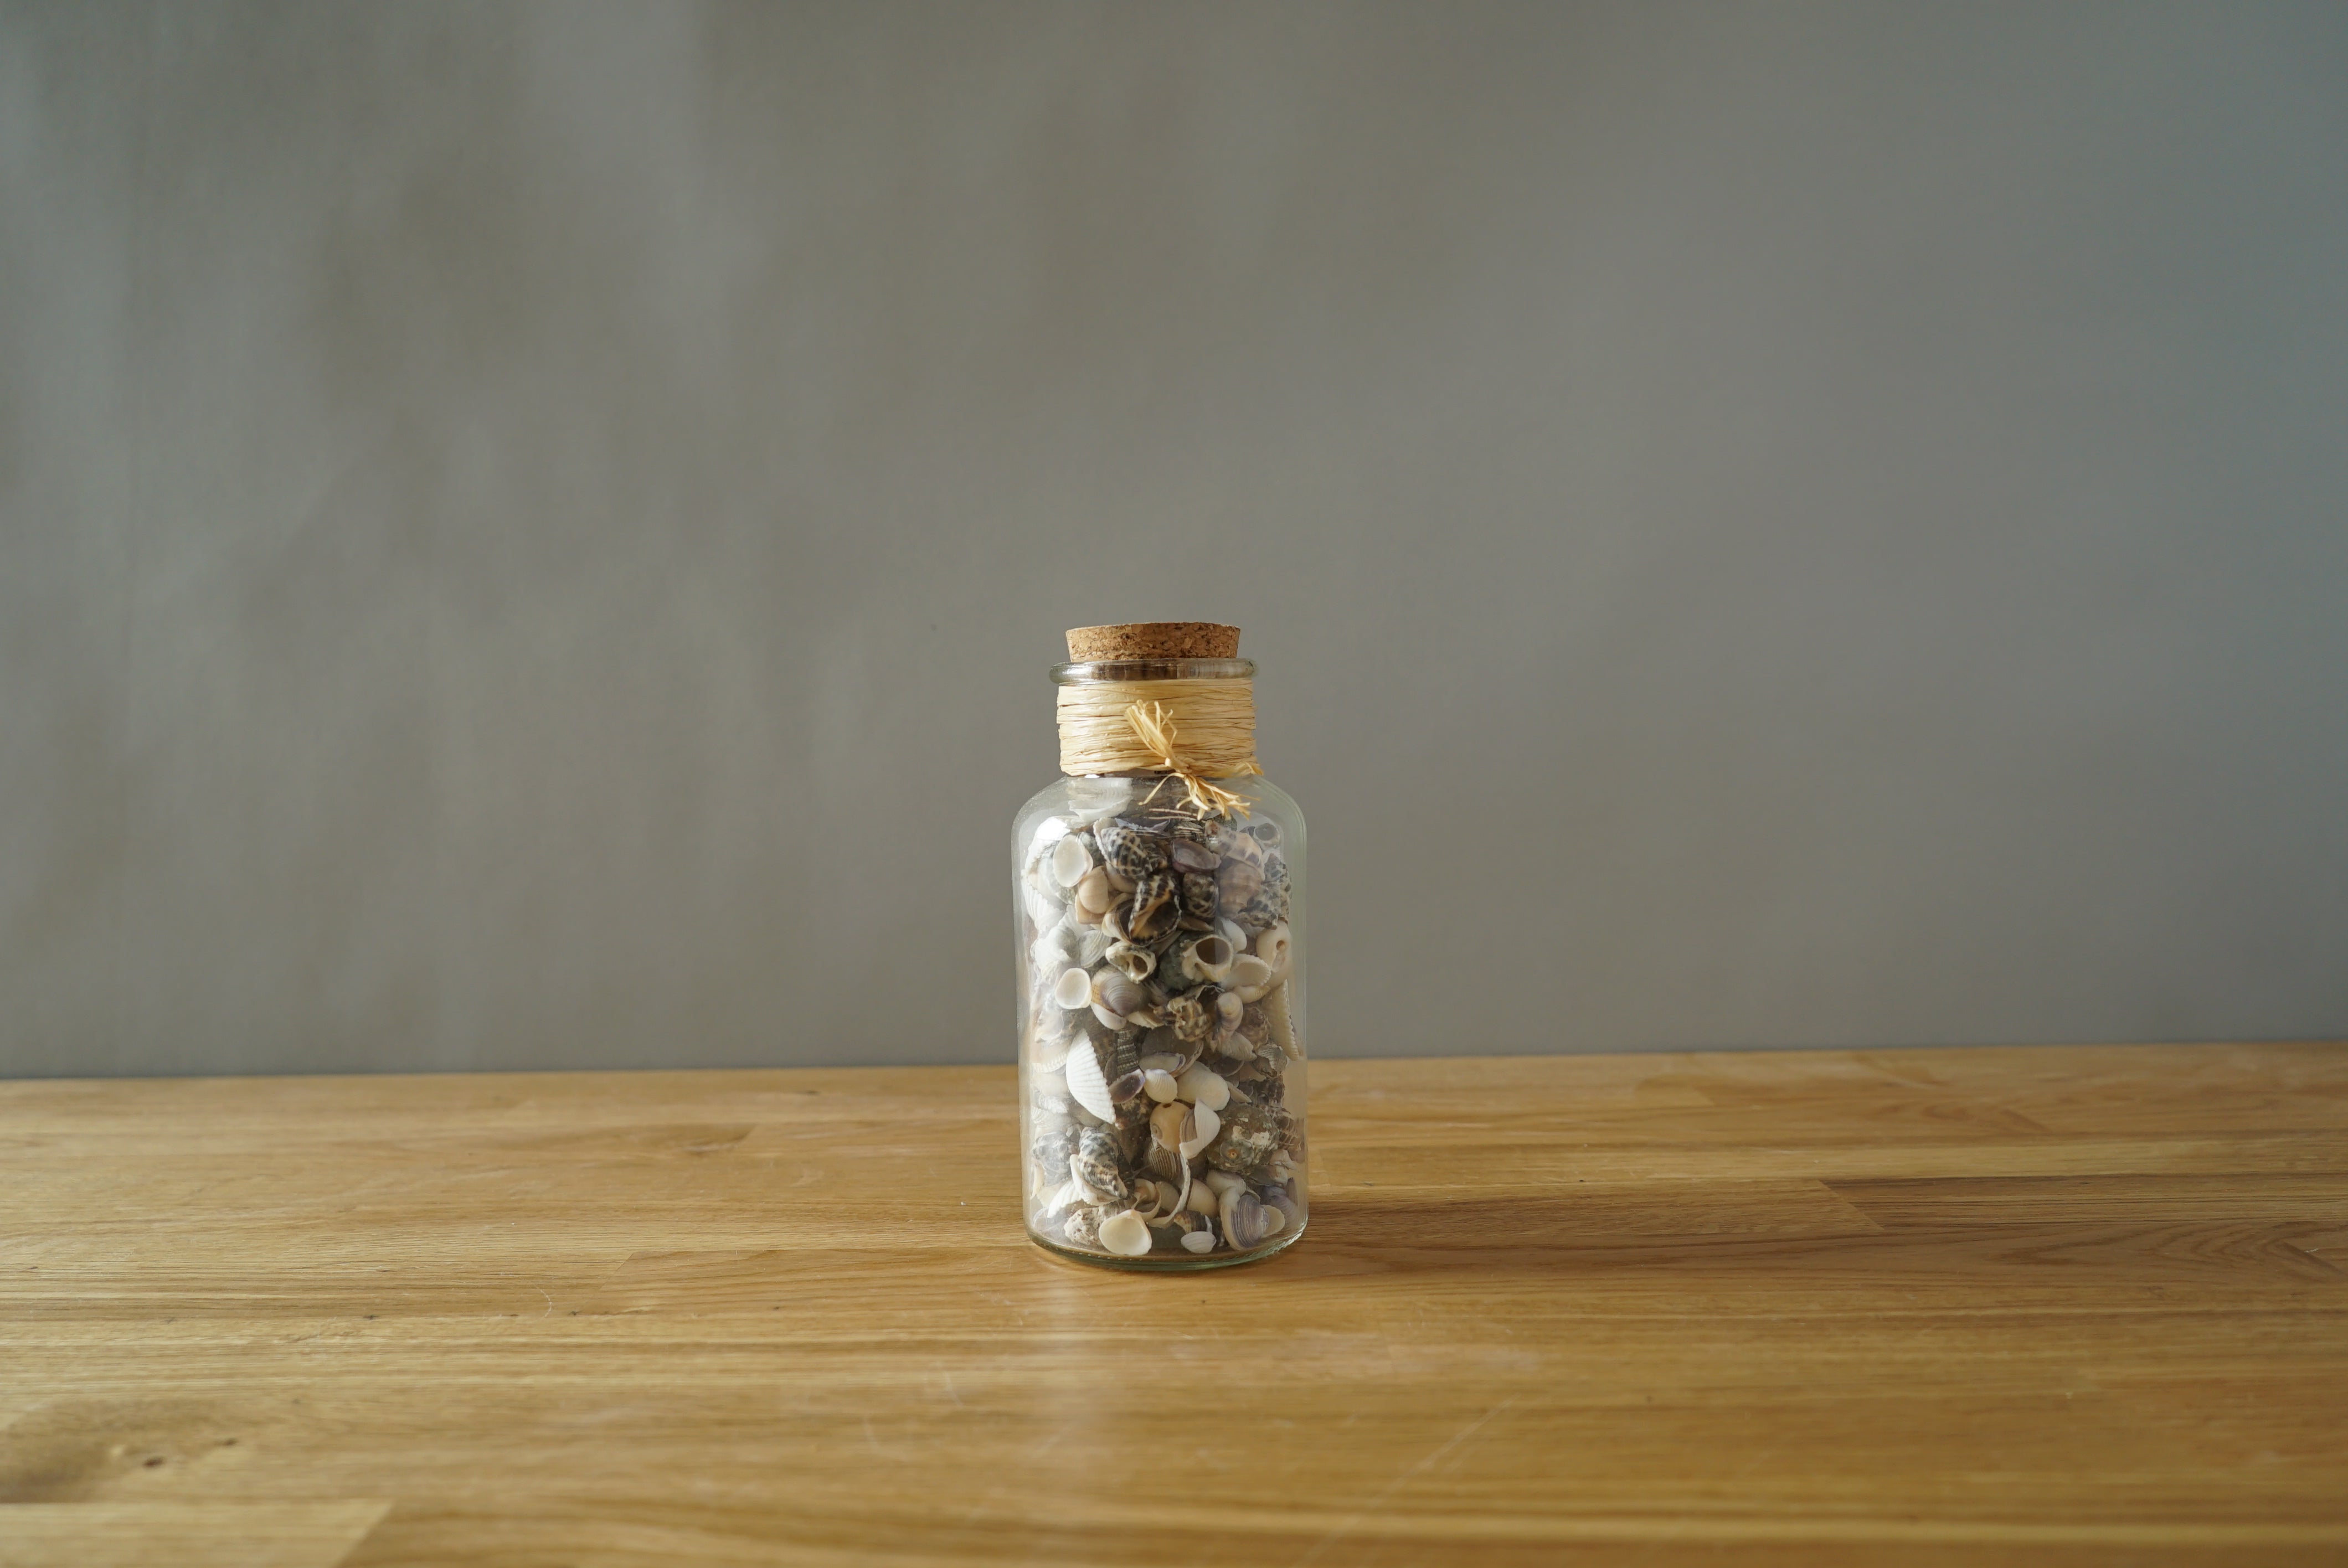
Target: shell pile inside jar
(1159, 1033)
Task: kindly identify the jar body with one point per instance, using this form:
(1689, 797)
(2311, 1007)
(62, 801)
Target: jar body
(1161, 963)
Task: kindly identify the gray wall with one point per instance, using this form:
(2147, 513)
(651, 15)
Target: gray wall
(530, 536)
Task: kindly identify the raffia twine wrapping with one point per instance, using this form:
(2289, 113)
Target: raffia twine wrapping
(1195, 730)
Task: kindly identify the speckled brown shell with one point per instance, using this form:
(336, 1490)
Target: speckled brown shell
(1128, 850)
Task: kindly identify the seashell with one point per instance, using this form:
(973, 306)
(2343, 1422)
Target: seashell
(1119, 884)
(1116, 993)
(1170, 1125)
(1074, 988)
(1250, 1134)
(1203, 1086)
(1207, 1124)
(1250, 977)
(1184, 855)
(1094, 1165)
(1144, 1018)
(1093, 895)
(1243, 1218)
(1199, 1240)
(1083, 1229)
(1198, 892)
(1050, 1154)
(1070, 858)
(1190, 1017)
(1267, 833)
(1274, 1222)
(1048, 832)
(1126, 848)
(1284, 1028)
(1126, 1089)
(1092, 942)
(1240, 883)
(1229, 1010)
(1276, 1201)
(1275, 947)
(1236, 932)
(1156, 906)
(1202, 1199)
(1222, 1183)
(1126, 1234)
(1113, 924)
(1163, 1061)
(1159, 1084)
(1053, 950)
(1087, 1086)
(1134, 962)
(1042, 904)
(1208, 959)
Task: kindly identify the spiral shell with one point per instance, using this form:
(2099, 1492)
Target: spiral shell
(1208, 959)
(1199, 895)
(1094, 1163)
(1129, 850)
(1156, 906)
(1191, 1017)
(1134, 963)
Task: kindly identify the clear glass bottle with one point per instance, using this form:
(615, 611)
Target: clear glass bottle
(1160, 963)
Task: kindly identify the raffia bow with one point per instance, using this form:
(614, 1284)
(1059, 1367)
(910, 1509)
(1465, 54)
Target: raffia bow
(1153, 726)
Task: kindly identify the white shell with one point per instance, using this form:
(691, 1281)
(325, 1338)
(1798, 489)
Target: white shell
(1202, 1199)
(1249, 974)
(1042, 906)
(1221, 1182)
(1283, 1030)
(1274, 1222)
(1049, 831)
(1074, 988)
(1070, 860)
(1093, 896)
(1199, 1240)
(1273, 946)
(1203, 1086)
(1085, 1085)
(1209, 1125)
(1159, 1084)
(1126, 1234)
(1208, 958)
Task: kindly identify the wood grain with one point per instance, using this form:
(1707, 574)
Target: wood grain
(2078, 1306)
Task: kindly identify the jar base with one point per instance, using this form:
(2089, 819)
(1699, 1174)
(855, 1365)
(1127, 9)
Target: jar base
(1172, 1263)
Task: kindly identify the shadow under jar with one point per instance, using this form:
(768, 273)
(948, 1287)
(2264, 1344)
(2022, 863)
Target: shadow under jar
(1159, 896)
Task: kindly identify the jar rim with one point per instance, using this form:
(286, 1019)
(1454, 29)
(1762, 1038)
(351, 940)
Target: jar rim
(1086, 672)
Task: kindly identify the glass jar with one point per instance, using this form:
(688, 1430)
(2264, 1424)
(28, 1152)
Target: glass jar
(1160, 917)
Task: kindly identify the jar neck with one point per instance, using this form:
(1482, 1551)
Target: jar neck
(1193, 718)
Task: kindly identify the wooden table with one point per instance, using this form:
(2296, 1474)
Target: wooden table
(2075, 1306)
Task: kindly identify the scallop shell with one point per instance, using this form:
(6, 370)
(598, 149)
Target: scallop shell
(1127, 848)
(1087, 1086)
(1284, 1028)
(1126, 1234)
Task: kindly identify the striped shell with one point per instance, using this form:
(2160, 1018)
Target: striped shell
(1128, 850)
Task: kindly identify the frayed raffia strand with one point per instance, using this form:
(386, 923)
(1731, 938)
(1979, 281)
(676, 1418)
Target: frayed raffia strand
(1195, 730)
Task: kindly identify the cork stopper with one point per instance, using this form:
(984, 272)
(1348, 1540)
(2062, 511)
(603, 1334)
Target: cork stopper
(1154, 640)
